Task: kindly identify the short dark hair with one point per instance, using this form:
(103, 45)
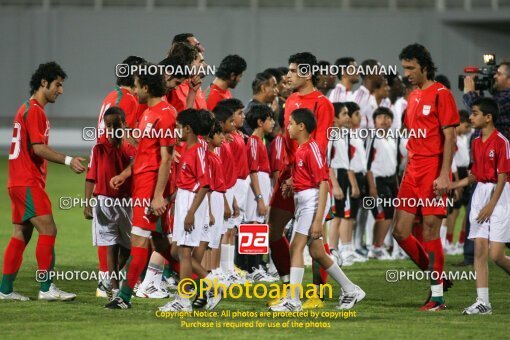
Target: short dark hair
(305, 58)
(233, 103)
(261, 78)
(442, 79)
(222, 113)
(155, 82)
(129, 80)
(275, 73)
(306, 117)
(378, 82)
(352, 107)
(188, 52)
(115, 110)
(49, 72)
(338, 107)
(368, 63)
(179, 63)
(323, 64)
(191, 118)
(206, 122)
(216, 128)
(258, 111)
(283, 69)
(182, 37)
(422, 56)
(343, 62)
(487, 106)
(464, 116)
(231, 64)
(381, 110)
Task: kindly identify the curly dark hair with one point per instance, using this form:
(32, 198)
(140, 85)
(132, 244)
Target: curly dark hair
(129, 80)
(258, 111)
(422, 56)
(305, 58)
(155, 82)
(49, 72)
(231, 64)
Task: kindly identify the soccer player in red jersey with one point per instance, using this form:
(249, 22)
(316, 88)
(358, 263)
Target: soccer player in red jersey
(150, 174)
(31, 207)
(122, 95)
(111, 223)
(427, 175)
(282, 208)
(489, 215)
(228, 75)
(310, 176)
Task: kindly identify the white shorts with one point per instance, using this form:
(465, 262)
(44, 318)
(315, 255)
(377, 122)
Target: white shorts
(218, 210)
(230, 222)
(306, 203)
(240, 191)
(111, 225)
(498, 228)
(183, 202)
(252, 214)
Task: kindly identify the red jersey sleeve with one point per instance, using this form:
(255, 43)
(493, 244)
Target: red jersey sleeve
(163, 127)
(447, 109)
(130, 106)
(202, 167)
(35, 122)
(92, 167)
(325, 114)
(276, 154)
(253, 157)
(503, 156)
(316, 165)
(177, 97)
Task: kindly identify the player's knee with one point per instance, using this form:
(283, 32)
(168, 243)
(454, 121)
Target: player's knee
(399, 234)
(498, 258)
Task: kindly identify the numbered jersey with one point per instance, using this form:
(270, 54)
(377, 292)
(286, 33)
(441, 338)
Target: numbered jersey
(30, 127)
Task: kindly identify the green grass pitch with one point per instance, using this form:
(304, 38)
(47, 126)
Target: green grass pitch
(388, 311)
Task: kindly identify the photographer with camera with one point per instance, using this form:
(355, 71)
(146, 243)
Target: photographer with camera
(501, 94)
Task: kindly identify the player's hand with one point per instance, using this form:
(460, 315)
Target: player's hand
(457, 194)
(338, 193)
(189, 222)
(87, 212)
(237, 212)
(441, 185)
(117, 181)
(316, 230)
(355, 192)
(176, 156)
(195, 83)
(212, 221)
(372, 191)
(158, 205)
(229, 138)
(469, 84)
(76, 165)
(228, 212)
(287, 189)
(261, 208)
(485, 213)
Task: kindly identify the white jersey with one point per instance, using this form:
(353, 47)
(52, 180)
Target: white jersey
(403, 153)
(462, 154)
(382, 157)
(367, 111)
(338, 154)
(340, 94)
(359, 156)
(361, 97)
(398, 110)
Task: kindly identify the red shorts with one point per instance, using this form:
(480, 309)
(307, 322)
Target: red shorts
(277, 200)
(416, 193)
(144, 185)
(28, 202)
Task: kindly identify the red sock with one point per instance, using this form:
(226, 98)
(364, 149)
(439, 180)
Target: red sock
(280, 253)
(323, 272)
(418, 232)
(414, 249)
(449, 238)
(102, 255)
(176, 267)
(462, 236)
(434, 249)
(45, 254)
(13, 257)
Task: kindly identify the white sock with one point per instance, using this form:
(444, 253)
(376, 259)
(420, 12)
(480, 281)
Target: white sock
(483, 294)
(150, 275)
(232, 251)
(396, 248)
(296, 278)
(442, 234)
(338, 275)
(224, 256)
(437, 290)
(345, 247)
(369, 229)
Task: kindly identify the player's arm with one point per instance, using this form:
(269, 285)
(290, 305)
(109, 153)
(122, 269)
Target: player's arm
(470, 179)
(228, 211)
(158, 203)
(261, 206)
(194, 85)
(189, 221)
(44, 151)
(486, 212)
(442, 183)
(325, 116)
(337, 190)
(117, 181)
(354, 184)
(211, 216)
(89, 189)
(316, 230)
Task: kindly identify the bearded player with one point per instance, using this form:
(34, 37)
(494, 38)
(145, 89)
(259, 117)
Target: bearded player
(427, 175)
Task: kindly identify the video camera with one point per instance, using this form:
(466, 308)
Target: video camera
(486, 79)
